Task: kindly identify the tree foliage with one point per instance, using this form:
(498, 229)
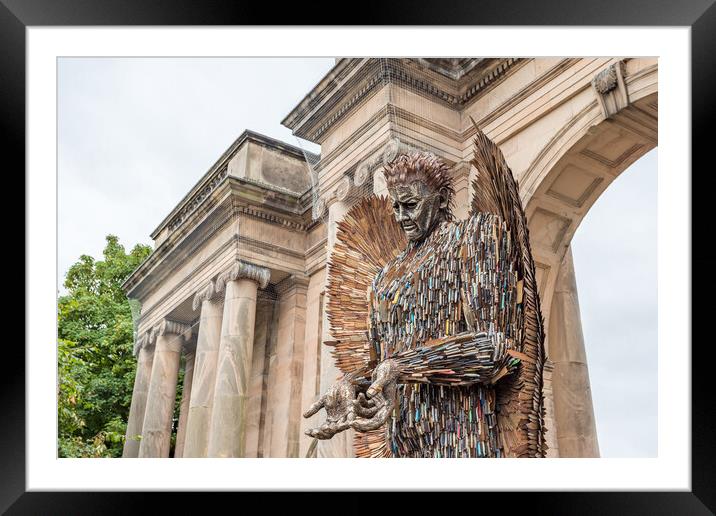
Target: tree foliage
(95, 364)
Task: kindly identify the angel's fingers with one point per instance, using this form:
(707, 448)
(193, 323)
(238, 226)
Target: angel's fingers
(365, 402)
(318, 405)
(313, 432)
(364, 425)
(375, 387)
(364, 411)
(341, 426)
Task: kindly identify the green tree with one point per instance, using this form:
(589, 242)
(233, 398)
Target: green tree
(95, 364)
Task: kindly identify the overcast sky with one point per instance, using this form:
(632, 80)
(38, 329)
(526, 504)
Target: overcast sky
(136, 134)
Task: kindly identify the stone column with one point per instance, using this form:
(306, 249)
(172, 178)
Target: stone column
(157, 428)
(573, 411)
(227, 436)
(189, 357)
(196, 442)
(311, 358)
(258, 385)
(287, 375)
(340, 445)
(145, 355)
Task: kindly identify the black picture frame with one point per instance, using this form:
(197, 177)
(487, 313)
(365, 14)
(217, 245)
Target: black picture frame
(699, 15)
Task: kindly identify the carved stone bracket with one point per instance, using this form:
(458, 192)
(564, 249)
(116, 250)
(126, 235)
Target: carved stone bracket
(205, 294)
(610, 89)
(242, 269)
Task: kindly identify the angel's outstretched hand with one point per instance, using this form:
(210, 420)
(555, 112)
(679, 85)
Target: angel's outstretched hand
(340, 412)
(371, 410)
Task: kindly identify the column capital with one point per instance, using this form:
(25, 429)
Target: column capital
(243, 270)
(142, 341)
(204, 294)
(167, 327)
(294, 281)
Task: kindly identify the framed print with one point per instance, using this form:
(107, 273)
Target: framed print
(251, 298)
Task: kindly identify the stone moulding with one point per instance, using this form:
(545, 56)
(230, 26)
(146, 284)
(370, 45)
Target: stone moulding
(390, 71)
(197, 200)
(243, 270)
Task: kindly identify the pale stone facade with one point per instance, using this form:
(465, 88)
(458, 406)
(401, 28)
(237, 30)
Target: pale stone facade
(236, 281)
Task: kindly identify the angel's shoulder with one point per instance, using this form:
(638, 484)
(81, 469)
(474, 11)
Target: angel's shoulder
(484, 218)
(483, 226)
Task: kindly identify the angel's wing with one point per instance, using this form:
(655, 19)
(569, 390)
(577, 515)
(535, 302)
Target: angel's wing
(367, 238)
(519, 397)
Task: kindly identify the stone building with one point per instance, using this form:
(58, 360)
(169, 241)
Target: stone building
(234, 289)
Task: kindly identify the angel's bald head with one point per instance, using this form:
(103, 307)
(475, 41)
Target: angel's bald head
(421, 187)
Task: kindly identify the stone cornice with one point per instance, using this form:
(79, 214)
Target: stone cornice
(234, 198)
(325, 88)
(243, 270)
(194, 202)
(258, 213)
(393, 114)
(455, 68)
(310, 120)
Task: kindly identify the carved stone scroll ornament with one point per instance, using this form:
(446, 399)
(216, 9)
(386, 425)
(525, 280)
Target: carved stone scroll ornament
(610, 89)
(362, 175)
(343, 189)
(243, 270)
(391, 150)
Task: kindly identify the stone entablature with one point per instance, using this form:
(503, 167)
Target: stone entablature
(234, 198)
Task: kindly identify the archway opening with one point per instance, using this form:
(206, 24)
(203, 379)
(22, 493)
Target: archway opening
(614, 252)
(569, 177)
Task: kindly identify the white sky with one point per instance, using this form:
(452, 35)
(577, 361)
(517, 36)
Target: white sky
(136, 134)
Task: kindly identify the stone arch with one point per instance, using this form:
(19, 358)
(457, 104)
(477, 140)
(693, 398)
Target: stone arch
(567, 176)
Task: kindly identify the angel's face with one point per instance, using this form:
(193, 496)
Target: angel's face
(417, 208)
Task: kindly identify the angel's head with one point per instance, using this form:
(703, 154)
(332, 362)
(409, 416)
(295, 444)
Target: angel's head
(421, 188)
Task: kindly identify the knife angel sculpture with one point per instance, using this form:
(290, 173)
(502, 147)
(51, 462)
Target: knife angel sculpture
(436, 323)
